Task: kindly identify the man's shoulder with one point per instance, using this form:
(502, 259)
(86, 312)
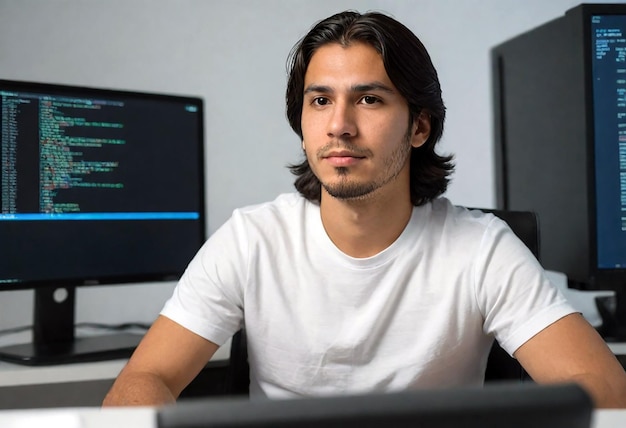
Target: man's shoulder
(444, 218)
(286, 210)
(442, 208)
(283, 202)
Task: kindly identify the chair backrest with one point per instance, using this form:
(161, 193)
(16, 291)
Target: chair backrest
(500, 365)
(238, 377)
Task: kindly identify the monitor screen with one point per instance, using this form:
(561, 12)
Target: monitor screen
(608, 77)
(97, 187)
(511, 405)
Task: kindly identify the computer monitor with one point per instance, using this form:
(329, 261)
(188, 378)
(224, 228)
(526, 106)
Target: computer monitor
(608, 124)
(515, 405)
(97, 186)
(560, 141)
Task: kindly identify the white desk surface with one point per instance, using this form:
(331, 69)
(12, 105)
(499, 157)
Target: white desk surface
(145, 417)
(138, 417)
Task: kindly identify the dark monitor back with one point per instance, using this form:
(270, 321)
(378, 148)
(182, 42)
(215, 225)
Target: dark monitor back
(514, 405)
(541, 151)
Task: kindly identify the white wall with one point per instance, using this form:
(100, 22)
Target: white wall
(233, 54)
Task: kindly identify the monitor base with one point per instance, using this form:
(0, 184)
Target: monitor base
(80, 350)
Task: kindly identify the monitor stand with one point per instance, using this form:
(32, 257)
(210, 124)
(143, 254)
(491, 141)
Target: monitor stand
(54, 340)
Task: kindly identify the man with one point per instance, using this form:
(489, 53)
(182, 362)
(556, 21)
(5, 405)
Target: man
(367, 280)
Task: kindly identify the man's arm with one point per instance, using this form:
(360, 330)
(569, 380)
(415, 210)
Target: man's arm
(570, 350)
(164, 363)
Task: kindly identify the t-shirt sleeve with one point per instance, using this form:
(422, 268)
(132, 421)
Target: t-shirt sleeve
(208, 299)
(515, 295)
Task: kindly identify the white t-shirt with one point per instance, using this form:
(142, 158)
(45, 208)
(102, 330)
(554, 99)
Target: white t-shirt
(420, 314)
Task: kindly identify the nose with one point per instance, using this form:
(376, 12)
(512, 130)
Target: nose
(342, 121)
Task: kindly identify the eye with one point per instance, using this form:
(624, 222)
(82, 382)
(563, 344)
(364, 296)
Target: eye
(320, 101)
(369, 99)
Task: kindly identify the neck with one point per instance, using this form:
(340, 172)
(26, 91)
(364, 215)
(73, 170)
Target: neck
(364, 228)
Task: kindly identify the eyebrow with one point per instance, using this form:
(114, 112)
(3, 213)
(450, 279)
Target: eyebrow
(362, 87)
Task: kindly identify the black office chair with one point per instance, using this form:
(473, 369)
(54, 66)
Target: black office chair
(238, 377)
(500, 365)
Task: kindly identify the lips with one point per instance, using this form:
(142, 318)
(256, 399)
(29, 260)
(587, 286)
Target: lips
(342, 158)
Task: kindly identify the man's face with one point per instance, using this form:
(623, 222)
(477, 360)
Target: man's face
(355, 123)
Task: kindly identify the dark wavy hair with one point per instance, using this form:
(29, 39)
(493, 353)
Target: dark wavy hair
(409, 67)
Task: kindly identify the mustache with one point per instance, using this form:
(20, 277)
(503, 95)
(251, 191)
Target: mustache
(342, 145)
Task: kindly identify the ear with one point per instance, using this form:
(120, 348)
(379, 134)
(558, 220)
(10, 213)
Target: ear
(420, 129)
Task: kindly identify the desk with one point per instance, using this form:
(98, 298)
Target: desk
(139, 417)
(85, 384)
(81, 384)
(145, 417)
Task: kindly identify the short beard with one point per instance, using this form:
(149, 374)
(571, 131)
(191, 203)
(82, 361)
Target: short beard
(347, 190)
